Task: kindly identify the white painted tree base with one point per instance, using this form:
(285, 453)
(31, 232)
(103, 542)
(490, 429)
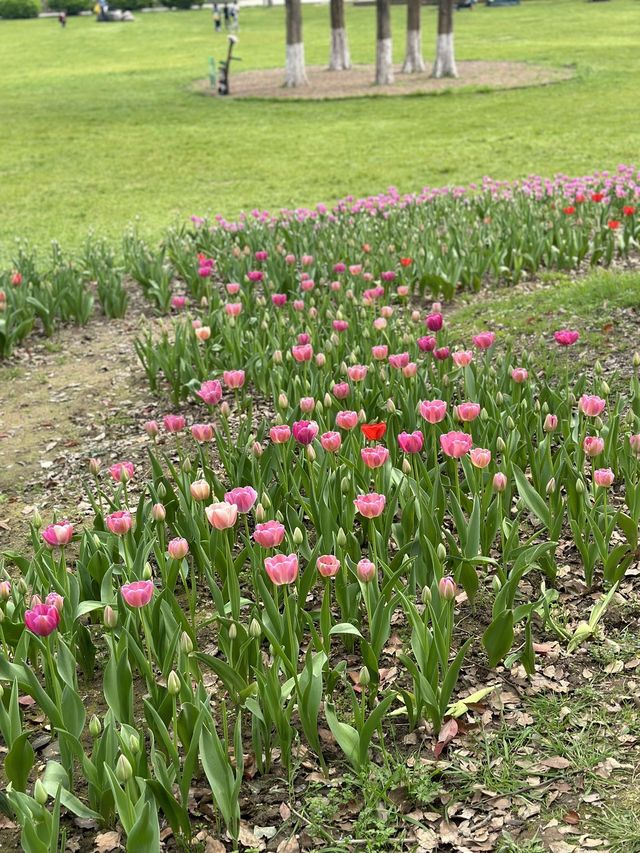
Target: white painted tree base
(413, 61)
(384, 63)
(295, 73)
(445, 64)
(340, 58)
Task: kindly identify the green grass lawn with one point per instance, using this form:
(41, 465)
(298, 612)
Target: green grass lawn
(100, 124)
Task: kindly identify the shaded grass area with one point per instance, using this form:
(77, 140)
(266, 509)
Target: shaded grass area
(101, 123)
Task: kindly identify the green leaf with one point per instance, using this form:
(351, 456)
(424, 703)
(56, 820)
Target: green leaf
(345, 628)
(346, 736)
(532, 499)
(498, 638)
(19, 761)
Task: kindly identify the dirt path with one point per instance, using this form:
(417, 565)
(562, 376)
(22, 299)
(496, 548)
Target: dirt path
(62, 401)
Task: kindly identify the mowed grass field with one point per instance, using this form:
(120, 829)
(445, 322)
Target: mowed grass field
(100, 123)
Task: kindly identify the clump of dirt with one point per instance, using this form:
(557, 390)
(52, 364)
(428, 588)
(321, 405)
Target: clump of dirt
(358, 81)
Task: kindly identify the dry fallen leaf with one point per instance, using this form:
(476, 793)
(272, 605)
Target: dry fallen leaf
(556, 762)
(107, 841)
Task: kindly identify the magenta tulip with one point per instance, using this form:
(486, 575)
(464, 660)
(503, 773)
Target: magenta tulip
(411, 442)
(42, 620)
(455, 444)
(243, 497)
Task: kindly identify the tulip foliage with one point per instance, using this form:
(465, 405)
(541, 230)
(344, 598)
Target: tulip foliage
(353, 467)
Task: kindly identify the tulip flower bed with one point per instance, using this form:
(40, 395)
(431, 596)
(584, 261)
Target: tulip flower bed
(359, 486)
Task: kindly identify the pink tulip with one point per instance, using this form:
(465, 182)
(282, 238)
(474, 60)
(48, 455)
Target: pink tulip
(203, 333)
(233, 309)
(340, 325)
(233, 378)
(302, 352)
(347, 419)
(550, 423)
(402, 290)
(365, 570)
(122, 472)
(374, 457)
(178, 548)
(255, 276)
(328, 566)
(307, 260)
(202, 432)
(441, 354)
(174, 423)
(5, 590)
(282, 568)
(370, 505)
(433, 411)
(447, 588)
(179, 302)
(380, 352)
(307, 405)
(331, 441)
(388, 275)
(305, 431)
(42, 620)
(151, 428)
(519, 375)
(399, 360)
(593, 445)
(119, 522)
(434, 322)
(341, 390)
(410, 370)
(499, 482)
(591, 405)
(261, 256)
(467, 412)
(357, 372)
(603, 477)
(158, 512)
(221, 515)
(243, 497)
(335, 287)
(411, 442)
(307, 284)
(480, 457)
(233, 288)
(484, 340)
(280, 434)
(462, 358)
(380, 323)
(386, 311)
(55, 600)
(279, 299)
(200, 490)
(58, 534)
(455, 444)
(355, 269)
(634, 441)
(269, 534)
(427, 343)
(138, 593)
(298, 305)
(290, 259)
(210, 392)
(339, 267)
(565, 337)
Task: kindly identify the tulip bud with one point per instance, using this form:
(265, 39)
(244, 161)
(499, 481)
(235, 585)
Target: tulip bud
(345, 485)
(147, 572)
(406, 466)
(445, 380)
(362, 416)
(186, 643)
(598, 368)
(186, 466)
(328, 402)
(598, 423)
(484, 415)
(161, 490)
(604, 387)
(536, 405)
(391, 406)
(1, 616)
(124, 770)
(109, 617)
(319, 408)
(545, 408)
(426, 595)
(37, 520)
(500, 445)
(265, 500)
(22, 586)
(96, 540)
(39, 793)
(95, 726)
(499, 398)
(447, 588)
(551, 486)
(298, 536)
(260, 513)
(311, 454)
(94, 466)
(277, 357)
(283, 402)
(364, 678)
(254, 629)
(496, 584)
(636, 359)
(441, 552)
(158, 512)
(580, 487)
(1, 691)
(173, 683)
(341, 539)
(510, 423)
(225, 411)
(233, 631)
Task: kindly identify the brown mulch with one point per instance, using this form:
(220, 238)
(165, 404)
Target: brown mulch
(358, 82)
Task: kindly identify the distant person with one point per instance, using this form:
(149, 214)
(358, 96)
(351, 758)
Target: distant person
(234, 14)
(62, 19)
(217, 20)
(225, 12)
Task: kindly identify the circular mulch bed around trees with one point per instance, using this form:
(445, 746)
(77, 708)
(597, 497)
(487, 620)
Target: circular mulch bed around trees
(358, 82)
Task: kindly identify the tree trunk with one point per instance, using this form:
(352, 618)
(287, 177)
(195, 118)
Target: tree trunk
(340, 58)
(384, 58)
(445, 64)
(413, 60)
(295, 74)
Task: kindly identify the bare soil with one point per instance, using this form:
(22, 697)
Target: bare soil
(358, 82)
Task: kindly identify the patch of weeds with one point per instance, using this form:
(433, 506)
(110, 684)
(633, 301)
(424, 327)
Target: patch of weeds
(9, 373)
(508, 844)
(619, 823)
(53, 346)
